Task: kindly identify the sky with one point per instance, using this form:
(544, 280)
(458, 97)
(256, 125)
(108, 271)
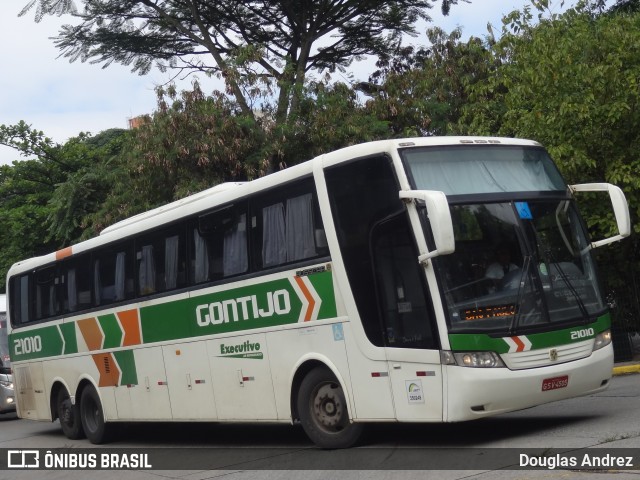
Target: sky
(63, 99)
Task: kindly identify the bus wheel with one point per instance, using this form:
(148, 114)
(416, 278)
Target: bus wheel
(92, 416)
(323, 411)
(69, 416)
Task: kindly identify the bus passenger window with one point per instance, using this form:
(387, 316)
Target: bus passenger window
(219, 247)
(76, 276)
(19, 299)
(160, 260)
(234, 255)
(289, 229)
(146, 271)
(173, 261)
(45, 299)
(113, 275)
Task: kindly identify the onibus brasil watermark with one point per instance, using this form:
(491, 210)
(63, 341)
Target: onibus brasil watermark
(72, 460)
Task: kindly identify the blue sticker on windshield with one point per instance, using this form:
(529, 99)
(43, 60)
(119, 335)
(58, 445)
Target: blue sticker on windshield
(524, 211)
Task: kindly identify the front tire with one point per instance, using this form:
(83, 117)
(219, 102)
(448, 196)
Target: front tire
(69, 416)
(92, 415)
(323, 411)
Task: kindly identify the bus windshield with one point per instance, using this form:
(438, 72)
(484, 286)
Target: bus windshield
(517, 264)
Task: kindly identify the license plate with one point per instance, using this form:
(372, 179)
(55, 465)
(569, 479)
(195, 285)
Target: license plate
(555, 383)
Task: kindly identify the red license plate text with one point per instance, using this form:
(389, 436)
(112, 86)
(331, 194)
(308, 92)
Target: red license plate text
(555, 383)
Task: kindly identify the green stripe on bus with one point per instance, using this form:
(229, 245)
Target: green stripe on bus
(323, 284)
(127, 364)
(69, 335)
(37, 343)
(483, 342)
(112, 331)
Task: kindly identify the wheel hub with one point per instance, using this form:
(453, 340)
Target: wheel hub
(328, 407)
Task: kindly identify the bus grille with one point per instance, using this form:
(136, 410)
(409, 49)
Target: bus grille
(543, 356)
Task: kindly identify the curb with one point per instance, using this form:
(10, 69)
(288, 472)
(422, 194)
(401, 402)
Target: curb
(626, 369)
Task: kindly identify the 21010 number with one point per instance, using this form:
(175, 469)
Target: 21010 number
(23, 346)
(584, 333)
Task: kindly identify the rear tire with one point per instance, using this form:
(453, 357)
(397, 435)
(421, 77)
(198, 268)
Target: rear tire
(323, 411)
(69, 416)
(92, 415)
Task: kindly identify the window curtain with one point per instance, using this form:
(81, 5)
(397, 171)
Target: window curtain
(147, 271)
(24, 299)
(119, 287)
(97, 284)
(274, 244)
(482, 170)
(171, 262)
(234, 250)
(72, 292)
(300, 238)
(202, 258)
(52, 300)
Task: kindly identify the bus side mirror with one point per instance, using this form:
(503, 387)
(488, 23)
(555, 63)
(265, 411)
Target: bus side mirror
(620, 209)
(439, 218)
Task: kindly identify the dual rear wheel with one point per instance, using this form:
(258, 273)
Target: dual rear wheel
(84, 418)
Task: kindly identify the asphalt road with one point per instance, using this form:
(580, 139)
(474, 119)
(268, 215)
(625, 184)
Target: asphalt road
(607, 423)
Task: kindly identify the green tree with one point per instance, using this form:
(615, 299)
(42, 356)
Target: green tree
(262, 49)
(75, 200)
(44, 200)
(25, 191)
(422, 92)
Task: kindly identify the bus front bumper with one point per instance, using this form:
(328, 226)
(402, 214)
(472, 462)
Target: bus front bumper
(480, 392)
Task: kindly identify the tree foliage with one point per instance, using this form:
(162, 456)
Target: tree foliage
(44, 201)
(422, 91)
(262, 49)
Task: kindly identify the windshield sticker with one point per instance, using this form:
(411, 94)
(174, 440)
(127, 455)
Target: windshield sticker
(524, 211)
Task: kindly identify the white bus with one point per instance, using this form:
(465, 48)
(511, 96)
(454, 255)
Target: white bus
(415, 280)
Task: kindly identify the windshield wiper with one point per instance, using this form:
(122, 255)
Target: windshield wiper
(521, 289)
(550, 259)
(548, 253)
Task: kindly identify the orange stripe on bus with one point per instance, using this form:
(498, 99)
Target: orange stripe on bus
(108, 368)
(131, 327)
(519, 343)
(308, 296)
(64, 253)
(91, 333)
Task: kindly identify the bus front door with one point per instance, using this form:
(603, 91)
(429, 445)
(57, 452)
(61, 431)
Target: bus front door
(408, 323)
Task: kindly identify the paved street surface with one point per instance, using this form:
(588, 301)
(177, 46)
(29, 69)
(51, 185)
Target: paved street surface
(607, 422)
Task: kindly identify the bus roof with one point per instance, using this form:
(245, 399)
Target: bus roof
(170, 206)
(227, 192)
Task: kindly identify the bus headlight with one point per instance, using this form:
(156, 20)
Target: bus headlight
(602, 340)
(472, 359)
